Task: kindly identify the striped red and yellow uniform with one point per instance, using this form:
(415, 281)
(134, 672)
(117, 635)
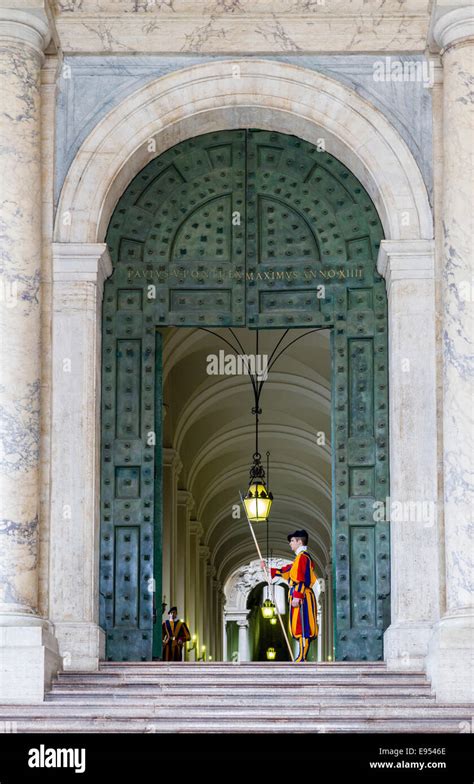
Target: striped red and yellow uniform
(172, 631)
(301, 577)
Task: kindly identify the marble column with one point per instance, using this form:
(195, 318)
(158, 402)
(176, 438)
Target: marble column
(79, 273)
(325, 645)
(323, 631)
(224, 639)
(188, 604)
(243, 626)
(172, 466)
(215, 617)
(209, 625)
(229, 628)
(321, 602)
(220, 621)
(211, 609)
(217, 628)
(329, 612)
(195, 532)
(450, 662)
(412, 510)
(29, 649)
(185, 504)
(204, 553)
(49, 81)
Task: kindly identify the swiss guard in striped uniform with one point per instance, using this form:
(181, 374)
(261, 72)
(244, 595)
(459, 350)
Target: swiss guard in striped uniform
(301, 577)
(174, 635)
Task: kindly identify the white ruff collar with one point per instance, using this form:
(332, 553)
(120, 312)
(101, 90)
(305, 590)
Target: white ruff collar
(301, 549)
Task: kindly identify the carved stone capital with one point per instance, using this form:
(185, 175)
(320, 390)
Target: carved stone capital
(81, 263)
(185, 498)
(210, 570)
(79, 273)
(454, 26)
(171, 459)
(195, 528)
(26, 27)
(402, 260)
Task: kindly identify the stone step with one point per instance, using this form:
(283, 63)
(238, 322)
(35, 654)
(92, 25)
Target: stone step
(363, 710)
(144, 697)
(338, 707)
(129, 725)
(257, 666)
(218, 693)
(294, 671)
(277, 669)
(185, 696)
(272, 666)
(234, 682)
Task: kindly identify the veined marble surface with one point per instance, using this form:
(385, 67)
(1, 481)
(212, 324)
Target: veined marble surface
(250, 26)
(20, 258)
(458, 324)
(244, 7)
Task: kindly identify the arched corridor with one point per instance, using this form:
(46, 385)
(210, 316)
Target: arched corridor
(209, 567)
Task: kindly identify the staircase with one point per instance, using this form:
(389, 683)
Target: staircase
(219, 697)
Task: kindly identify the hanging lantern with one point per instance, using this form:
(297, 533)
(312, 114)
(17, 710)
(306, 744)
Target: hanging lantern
(271, 653)
(268, 609)
(258, 499)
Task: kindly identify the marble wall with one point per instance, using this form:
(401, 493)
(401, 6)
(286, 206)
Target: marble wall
(233, 26)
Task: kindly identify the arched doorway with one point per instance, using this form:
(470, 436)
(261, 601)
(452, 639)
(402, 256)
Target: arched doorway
(263, 635)
(248, 635)
(266, 230)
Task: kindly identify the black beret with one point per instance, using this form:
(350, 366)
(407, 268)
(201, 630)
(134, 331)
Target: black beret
(171, 609)
(303, 535)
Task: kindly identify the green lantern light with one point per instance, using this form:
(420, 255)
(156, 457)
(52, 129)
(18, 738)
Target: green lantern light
(258, 499)
(268, 609)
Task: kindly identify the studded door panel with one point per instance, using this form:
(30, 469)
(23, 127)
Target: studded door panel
(180, 227)
(130, 433)
(361, 562)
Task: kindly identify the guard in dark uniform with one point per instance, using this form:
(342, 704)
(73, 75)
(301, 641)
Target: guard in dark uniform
(174, 634)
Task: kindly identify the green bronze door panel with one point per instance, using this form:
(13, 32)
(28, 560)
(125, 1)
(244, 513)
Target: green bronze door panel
(361, 565)
(180, 227)
(310, 224)
(176, 261)
(131, 452)
(242, 228)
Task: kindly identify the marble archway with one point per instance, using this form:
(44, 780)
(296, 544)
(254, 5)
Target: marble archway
(267, 95)
(199, 100)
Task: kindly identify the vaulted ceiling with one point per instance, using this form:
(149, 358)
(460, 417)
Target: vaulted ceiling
(208, 420)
